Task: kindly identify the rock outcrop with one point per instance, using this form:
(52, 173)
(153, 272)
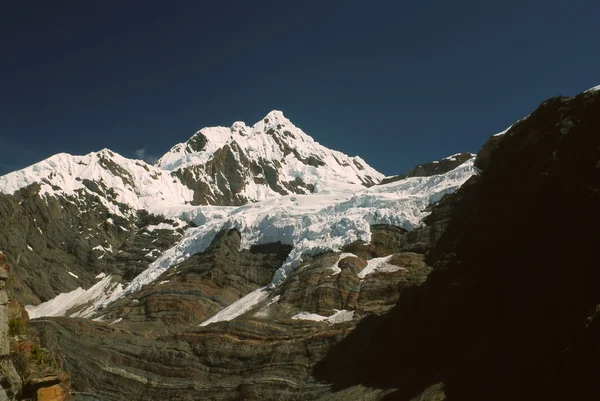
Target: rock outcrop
(27, 370)
(10, 382)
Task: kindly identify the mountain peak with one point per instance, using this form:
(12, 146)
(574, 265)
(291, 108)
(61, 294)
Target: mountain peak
(241, 164)
(275, 116)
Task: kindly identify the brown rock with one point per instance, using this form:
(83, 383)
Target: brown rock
(52, 393)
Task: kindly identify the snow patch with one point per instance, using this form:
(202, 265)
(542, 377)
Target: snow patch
(239, 307)
(79, 302)
(161, 226)
(335, 268)
(503, 132)
(73, 274)
(379, 264)
(263, 312)
(309, 316)
(340, 316)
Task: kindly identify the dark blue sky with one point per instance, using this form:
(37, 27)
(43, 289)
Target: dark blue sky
(395, 82)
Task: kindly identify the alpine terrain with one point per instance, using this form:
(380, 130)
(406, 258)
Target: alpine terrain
(253, 263)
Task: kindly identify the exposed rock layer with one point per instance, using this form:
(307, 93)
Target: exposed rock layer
(262, 355)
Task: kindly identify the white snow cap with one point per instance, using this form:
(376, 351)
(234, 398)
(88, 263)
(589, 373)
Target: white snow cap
(276, 141)
(134, 182)
(595, 88)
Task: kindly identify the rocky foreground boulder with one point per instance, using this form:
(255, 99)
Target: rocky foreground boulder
(27, 370)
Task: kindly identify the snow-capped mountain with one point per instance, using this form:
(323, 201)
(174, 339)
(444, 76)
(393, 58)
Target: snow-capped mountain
(240, 164)
(311, 224)
(271, 182)
(122, 185)
(216, 166)
(315, 296)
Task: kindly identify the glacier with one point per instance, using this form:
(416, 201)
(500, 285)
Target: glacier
(312, 224)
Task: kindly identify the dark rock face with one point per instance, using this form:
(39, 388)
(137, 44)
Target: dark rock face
(45, 238)
(510, 309)
(394, 178)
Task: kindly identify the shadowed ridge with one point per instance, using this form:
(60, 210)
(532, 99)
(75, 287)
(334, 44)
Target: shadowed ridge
(510, 309)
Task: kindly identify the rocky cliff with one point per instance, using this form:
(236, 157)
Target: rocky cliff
(27, 370)
(510, 309)
(10, 381)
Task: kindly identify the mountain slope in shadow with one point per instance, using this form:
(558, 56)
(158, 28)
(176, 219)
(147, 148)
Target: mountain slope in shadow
(510, 310)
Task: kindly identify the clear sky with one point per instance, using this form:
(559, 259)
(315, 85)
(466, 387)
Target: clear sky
(396, 82)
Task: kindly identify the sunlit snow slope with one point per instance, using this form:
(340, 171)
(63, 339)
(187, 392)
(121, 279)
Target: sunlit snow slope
(123, 185)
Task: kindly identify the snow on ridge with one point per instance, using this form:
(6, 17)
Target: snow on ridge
(270, 140)
(340, 316)
(79, 302)
(143, 186)
(239, 307)
(134, 182)
(503, 132)
(336, 268)
(595, 88)
(378, 264)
